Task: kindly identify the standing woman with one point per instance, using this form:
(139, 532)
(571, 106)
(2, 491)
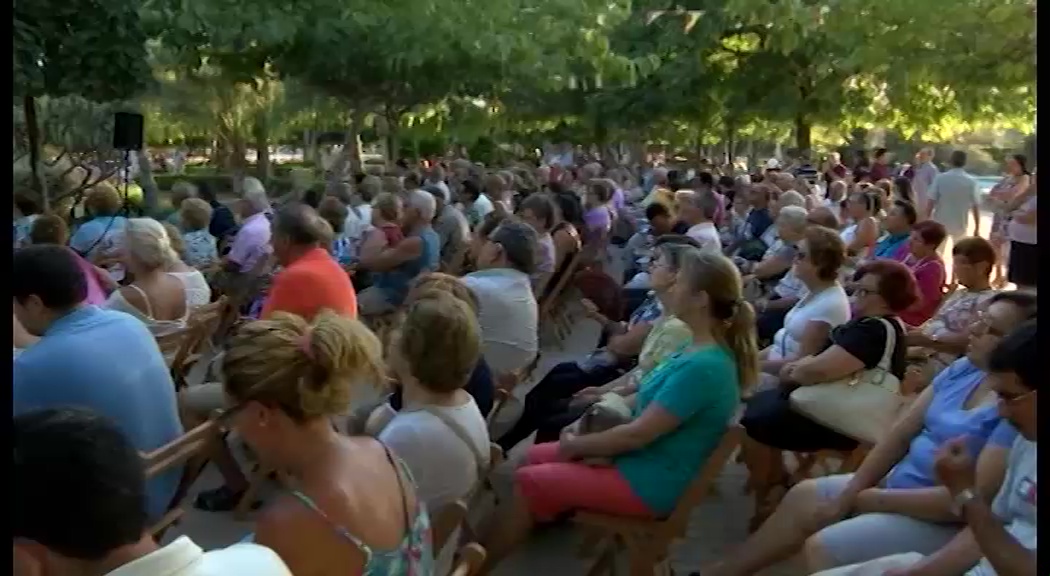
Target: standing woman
(1023, 269)
(1004, 197)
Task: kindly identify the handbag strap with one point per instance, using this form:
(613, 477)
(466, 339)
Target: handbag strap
(891, 345)
(461, 432)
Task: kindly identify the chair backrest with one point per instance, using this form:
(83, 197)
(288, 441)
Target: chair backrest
(190, 452)
(701, 484)
(203, 324)
(173, 342)
(500, 399)
(445, 522)
(468, 560)
(178, 451)
(548, 303)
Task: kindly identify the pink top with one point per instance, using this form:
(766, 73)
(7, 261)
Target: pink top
(95, 294)
(929, 275)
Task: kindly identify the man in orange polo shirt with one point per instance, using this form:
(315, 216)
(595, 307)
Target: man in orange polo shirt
(311, 280)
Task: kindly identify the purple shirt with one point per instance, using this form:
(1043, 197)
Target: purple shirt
(252, 242)
(619, 201)
(598, 220)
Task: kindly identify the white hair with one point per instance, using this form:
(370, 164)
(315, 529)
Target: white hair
(147, 242)
(254, 193)
(793, 217)
(791, 198)
(423, 202)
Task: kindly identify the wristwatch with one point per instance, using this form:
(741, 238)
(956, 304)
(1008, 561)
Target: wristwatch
(961, 499)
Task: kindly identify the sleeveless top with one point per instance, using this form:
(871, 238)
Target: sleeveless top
(394, 283)
(197, 293)
(413, 556)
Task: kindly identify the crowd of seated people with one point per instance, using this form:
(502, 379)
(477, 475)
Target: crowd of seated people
(829, 293)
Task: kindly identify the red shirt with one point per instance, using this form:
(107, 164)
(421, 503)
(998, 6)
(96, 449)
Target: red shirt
(879, 172)
(310, 284)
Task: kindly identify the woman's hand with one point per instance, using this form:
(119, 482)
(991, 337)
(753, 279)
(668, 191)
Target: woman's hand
(567, 443)
(786, 371)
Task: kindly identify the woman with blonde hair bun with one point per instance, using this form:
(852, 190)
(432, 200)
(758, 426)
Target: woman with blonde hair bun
(678, 417)
(353, 509)
(162, 299)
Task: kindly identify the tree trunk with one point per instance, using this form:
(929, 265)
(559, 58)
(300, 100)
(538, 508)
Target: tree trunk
(261, 134)
(311, 151)
(730, 143)
(150, 192)
(33, 133)
(393, 136)
(352, 146)
(803, 133)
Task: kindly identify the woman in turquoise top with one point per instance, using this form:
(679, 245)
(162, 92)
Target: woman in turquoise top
(679, 415)
(351, 508)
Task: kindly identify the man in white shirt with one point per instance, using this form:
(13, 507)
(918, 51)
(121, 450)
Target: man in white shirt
(953, 199)
(509, 316)
(436, 178)
(697, 209)
(80, 508)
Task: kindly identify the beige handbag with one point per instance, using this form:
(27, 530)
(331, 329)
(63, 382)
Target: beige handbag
(862, 406)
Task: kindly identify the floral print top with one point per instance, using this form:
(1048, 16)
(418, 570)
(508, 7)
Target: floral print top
(414, 556)
(22, 227)
(955, 316)
(200, 248)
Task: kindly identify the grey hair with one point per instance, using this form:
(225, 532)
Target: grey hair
(518, 241)
(146, 241)
(791, 198)
(793, 217)
(837, 185)
(423, 202)
(254, 194)
(704, 199)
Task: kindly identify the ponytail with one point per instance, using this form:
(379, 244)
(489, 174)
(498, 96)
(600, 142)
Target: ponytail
(738, 334)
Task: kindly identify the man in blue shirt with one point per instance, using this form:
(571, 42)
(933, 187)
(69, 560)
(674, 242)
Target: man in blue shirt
(92, 358)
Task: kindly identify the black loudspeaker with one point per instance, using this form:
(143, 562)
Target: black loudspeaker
(127, 131)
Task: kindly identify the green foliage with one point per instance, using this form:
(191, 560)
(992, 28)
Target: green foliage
(431, 74)
(91, 48)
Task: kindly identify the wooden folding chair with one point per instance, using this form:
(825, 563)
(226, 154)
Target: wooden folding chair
(468, 560)
(189, 451)
(848, 462)
(175, 343)
(551, 308)
(647, 541)
(446, 520)
(203, 325)
(501, 397)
